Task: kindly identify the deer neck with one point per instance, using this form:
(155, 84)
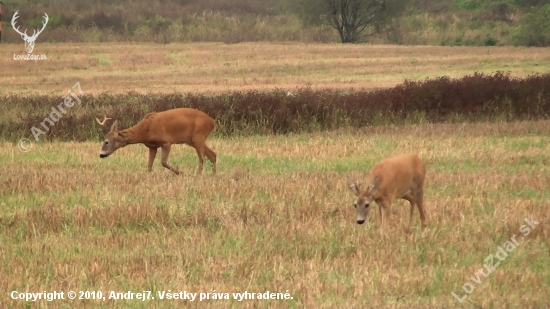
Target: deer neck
(133, 135)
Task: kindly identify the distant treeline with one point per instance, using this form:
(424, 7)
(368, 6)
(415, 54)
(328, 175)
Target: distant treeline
(442, 22)
(477, 97)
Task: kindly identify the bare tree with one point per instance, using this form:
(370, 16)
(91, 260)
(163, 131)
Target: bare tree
(353, 19)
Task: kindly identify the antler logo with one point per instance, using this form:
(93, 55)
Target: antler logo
(29, 40)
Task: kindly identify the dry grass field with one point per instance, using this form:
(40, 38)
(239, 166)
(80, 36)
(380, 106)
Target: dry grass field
(278, 217)
(218, 67)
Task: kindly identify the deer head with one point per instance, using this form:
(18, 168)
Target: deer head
(364, 198)
(29, 40)
(113, 140)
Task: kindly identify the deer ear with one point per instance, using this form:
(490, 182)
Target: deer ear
(374, 184)
(115, 127)
(353, 186)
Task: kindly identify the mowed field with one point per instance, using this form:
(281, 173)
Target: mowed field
(278, 216)
(218, 67)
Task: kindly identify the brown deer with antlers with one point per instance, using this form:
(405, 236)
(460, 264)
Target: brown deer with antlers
(162, 130)
(29, 40)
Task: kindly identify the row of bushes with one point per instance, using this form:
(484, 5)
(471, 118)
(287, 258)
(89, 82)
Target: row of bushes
(475, 97)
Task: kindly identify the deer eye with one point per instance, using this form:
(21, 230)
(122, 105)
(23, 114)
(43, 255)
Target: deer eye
(367, 205)
(354, 205)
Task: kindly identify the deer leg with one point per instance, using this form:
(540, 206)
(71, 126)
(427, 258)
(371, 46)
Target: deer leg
(380, 212)
(152, 155)
(211, 155)
(165, 153)
(198, 144)
(200, 153)
(420, 204)
(411, 200)
(384, 215)
(387, 216)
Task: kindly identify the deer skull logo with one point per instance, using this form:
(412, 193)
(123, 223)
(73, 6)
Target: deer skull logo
(29, 40)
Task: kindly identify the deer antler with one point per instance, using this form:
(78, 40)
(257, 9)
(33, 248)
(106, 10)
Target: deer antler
(16, 16)
(102, 123)
(43, 26)
(34, 34)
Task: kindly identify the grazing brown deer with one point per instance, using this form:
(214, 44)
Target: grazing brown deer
(402, 177)
(176, 126)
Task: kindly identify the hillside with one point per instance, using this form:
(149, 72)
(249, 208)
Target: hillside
(449, 22)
